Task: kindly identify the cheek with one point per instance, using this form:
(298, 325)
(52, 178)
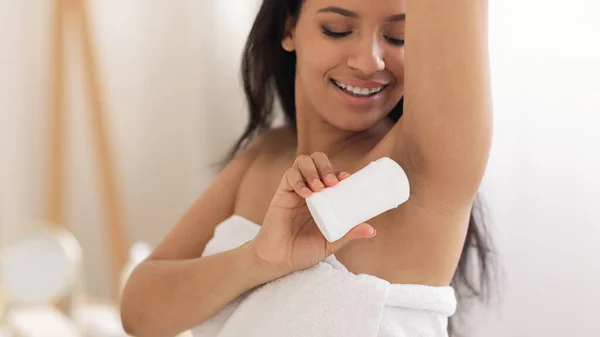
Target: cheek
(315, 62)
(394, 63)
(316, 54)
(313, 69)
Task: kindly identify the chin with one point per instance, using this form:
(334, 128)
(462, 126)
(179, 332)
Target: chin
(352, 122)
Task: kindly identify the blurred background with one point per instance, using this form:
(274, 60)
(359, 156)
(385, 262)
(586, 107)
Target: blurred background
(170, 87)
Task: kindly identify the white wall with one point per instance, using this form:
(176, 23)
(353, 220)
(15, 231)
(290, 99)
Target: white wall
(171, 87)
(171, 78)
(542, 183)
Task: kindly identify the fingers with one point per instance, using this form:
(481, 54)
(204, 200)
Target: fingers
(362, 231)
(311, 174)
(343, 175)
(307, 168)
(324, 168)
(294, 181)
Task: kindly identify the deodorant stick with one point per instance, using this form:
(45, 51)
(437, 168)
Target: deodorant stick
(378, 187)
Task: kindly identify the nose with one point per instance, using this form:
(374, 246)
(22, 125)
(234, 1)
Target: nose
(368, 57)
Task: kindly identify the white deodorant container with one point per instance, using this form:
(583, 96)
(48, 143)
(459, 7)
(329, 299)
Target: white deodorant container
(378, 187)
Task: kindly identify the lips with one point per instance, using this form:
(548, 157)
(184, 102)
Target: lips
(367, 90)
(353, 98)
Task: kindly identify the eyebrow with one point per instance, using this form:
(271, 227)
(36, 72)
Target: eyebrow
(354, 15)
(396, 17)
(340, 11)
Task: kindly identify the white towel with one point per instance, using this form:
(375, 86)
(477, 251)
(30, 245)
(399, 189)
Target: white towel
(326, 300)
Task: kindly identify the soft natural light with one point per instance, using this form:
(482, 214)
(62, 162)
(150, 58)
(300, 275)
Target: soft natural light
(166, 64)
(542, 185)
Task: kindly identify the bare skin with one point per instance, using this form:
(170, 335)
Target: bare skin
(442, 142)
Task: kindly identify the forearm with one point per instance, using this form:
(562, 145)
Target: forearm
(163, 298)
(447, 86)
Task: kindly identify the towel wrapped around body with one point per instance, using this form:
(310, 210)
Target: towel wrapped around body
(325, 300)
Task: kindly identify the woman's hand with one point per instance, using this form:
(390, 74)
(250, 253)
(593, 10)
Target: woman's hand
(289, 239)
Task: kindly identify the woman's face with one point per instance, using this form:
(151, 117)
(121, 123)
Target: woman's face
(350, 59)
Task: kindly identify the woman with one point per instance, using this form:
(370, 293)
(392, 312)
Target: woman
(338, 69)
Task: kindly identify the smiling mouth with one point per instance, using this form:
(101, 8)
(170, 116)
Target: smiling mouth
(358, 92)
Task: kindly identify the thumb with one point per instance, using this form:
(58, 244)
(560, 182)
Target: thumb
(362, 231)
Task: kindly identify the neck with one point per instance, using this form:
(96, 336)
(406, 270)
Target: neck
(314, 134)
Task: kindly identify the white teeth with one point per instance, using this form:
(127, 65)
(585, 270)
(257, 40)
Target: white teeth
(357, 90)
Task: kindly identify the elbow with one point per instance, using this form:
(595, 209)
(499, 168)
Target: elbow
(138, 307)
(131, 308)
(130, 326)
(129, 315)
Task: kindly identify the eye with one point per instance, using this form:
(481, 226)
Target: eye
(395, 42)
(336, 35)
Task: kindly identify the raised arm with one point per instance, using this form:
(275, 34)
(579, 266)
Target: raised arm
(446, 129)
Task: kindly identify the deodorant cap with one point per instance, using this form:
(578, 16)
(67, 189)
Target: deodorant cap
(378, 187)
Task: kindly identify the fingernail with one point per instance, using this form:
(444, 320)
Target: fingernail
(306, 191)
(374, 232)
(318, 183)
(331, 179)
(344, 174)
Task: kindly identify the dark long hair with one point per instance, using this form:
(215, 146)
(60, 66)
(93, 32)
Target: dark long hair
(268, 75)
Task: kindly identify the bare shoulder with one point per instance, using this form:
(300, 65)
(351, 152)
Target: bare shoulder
(267, 150)
(282, 138)
(262, 178)
(190, 235)
(273, 145)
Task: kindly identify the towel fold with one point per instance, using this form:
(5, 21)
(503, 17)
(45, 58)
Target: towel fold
(326, 300)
